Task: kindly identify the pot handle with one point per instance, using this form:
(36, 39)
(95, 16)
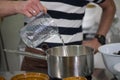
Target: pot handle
(27, 54)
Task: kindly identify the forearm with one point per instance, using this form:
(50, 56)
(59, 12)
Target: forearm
(106, 18)
(7, 8)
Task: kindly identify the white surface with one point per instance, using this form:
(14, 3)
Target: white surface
(117, 2)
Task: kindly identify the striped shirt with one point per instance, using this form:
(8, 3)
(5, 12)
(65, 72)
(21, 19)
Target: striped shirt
(68, 15)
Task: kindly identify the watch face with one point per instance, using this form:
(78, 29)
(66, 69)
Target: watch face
(101, 39)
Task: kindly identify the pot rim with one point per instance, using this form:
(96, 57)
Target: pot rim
(91, 49)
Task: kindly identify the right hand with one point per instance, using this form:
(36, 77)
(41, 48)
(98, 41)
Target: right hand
(29, 8)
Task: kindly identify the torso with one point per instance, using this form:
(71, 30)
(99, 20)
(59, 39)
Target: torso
(68, 15)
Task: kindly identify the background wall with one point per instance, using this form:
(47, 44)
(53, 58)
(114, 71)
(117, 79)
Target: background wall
(10, 35)
(117, 2)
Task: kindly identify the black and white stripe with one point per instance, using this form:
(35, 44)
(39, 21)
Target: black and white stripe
(68, 15)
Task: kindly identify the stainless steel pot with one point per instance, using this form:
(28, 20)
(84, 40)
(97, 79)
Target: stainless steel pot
(79, 61)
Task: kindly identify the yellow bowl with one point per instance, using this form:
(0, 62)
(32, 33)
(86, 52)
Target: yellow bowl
(2, 78)
(31, 76)
(75, 78)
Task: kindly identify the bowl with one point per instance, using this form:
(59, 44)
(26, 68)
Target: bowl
(31, 76)
(75, 78)
(110, 58)
(117, 69)
(2, 78)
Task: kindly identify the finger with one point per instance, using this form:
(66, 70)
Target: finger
(35, 9)
(28, 14)
(35, 4)
(45, 10)
(32, 11)
(41, 7)
(31, 7)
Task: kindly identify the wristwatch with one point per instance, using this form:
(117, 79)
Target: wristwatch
(101, 39)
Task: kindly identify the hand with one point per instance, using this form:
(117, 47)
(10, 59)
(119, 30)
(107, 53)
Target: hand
(93, 44)
(29, 8)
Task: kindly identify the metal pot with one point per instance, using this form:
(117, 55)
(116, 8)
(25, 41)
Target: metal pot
(78, 61)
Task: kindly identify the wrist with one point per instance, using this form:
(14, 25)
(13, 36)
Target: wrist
(18, 6)
(100, 38)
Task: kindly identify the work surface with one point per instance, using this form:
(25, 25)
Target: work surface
(99, 74)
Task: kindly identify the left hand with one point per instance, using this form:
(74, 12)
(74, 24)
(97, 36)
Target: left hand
(92, 43)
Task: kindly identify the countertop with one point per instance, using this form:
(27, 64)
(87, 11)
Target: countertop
(98, 74)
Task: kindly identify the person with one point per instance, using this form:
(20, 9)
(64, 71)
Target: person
(9, 7)
(68, 15)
